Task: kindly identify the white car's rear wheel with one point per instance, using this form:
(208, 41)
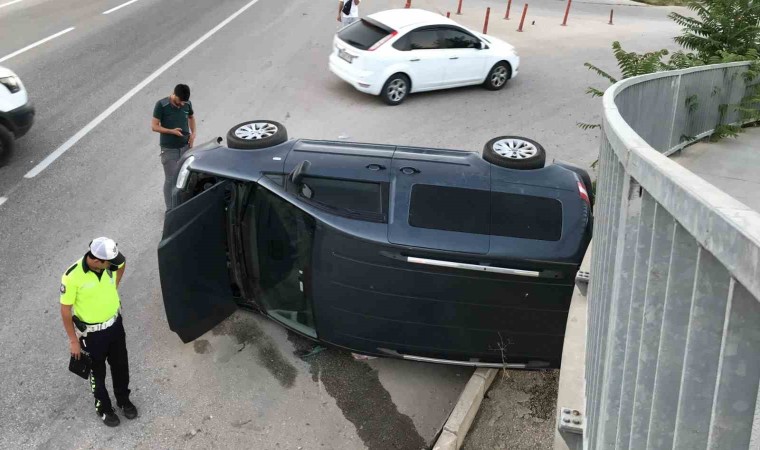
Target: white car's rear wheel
(396, 89)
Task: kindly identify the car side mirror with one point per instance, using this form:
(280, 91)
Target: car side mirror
(296, 176)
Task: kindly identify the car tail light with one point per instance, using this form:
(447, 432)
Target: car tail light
(383, 41)
(583, 193)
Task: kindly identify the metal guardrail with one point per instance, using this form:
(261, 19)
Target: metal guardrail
(673, 346)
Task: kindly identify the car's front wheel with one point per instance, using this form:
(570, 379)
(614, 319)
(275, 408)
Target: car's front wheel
(7, 143)
(498, 76)
(396, 89)
(515, 152)
(256, 134)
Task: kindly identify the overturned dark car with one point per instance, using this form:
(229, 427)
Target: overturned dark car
(417, 253)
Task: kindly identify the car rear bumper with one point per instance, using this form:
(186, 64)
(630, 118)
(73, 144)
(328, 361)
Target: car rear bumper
(20, 119)
(361, 80)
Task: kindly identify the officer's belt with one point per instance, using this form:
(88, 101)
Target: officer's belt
(101, 326)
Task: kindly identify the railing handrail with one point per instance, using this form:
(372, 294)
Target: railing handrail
(724, 226)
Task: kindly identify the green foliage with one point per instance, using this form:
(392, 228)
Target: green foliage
(588, 126)
(730, 26)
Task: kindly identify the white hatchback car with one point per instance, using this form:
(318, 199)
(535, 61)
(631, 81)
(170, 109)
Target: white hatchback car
(393, 53)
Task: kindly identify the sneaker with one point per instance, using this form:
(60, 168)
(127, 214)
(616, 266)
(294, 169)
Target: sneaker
(108, 416)
(129, 410)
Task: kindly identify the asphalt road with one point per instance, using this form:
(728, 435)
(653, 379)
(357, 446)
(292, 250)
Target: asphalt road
(247, 383)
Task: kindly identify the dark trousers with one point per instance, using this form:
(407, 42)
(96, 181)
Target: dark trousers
(108, 345)
(170, 160)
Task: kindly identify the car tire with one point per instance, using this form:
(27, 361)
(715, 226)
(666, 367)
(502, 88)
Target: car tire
(515, 152)
(256, 134)
(396, 89)
(7, 144)
(498, 76)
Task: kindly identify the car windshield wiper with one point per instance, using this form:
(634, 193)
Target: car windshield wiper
(356, 44)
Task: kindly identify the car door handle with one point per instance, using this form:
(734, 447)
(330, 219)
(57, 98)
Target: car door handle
(409, 170)
(375, 167)
(414, 60)
(454, 57)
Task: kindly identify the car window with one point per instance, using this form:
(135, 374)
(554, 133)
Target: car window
(458, 39)
(345, 196)
(449, 209)
(526, 216)
(402, 43)
(362, 34)
(425, 39)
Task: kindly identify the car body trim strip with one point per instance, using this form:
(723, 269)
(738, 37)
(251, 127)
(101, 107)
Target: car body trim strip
(453, 361)
(473, 267)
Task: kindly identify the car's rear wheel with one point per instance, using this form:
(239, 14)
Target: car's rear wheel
(256, 134)
(498, 76)
(7, 144)
(515, 152)
(396, 89)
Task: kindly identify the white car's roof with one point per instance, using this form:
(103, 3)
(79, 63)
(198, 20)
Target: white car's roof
(398, 19)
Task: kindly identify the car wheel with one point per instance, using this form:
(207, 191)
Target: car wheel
(7, 143)
(256, 134)
(514, 152)
(396, 89)
(498, 76)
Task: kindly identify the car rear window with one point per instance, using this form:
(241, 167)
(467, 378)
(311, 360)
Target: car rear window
(362, 34)
(449, 209)
(526, 216)
(345, 196)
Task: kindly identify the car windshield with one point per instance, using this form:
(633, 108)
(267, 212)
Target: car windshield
(362, 34)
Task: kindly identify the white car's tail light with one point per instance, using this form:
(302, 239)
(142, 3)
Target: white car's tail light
(383, 41)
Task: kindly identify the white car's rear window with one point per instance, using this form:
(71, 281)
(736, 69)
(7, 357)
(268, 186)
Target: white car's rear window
(362, 34)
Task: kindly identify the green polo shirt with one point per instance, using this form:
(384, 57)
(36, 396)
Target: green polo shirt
(172, 117)
(92, 294)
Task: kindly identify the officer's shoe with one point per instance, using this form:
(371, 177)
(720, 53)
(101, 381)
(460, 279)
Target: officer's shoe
(129, 410)
(108, 416)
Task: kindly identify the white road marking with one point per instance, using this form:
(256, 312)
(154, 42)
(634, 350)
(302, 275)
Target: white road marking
(120, 6)
(3, 200)
(9, 4)
(29, 47)
(114, 106)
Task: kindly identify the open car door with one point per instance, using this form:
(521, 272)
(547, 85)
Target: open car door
(192, 264)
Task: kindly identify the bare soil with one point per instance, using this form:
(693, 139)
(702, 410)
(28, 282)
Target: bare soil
(517, 412)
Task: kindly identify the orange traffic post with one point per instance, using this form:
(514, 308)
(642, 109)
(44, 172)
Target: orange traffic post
(448, 14)
(509, 5)
(611, 12)
(485, 24)
(522, 20)
(567, 11)
(459, 8)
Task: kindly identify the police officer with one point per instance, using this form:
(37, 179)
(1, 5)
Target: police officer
(89, 288)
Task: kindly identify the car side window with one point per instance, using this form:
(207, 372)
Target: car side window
(449, 209)
(402, 43)
(354, 199)
(425, 39)
(452, 38)
(526, 216)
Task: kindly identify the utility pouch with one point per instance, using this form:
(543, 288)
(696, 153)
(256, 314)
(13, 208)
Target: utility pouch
(81, 326)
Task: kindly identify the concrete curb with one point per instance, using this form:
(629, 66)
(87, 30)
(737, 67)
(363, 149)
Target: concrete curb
(456, 427)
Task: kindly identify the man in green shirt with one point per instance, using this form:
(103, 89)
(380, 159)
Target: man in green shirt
(90, 302)
(173, 118)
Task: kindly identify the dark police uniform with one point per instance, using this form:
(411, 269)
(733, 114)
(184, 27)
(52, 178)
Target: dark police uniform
(95, 301)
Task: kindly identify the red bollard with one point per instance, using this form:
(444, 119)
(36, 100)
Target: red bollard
(509, 5)
(567, 11)
(448, 14)
(485, 24)
(522, 20)
(611, 11)
(459, 8)
(408, 4)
